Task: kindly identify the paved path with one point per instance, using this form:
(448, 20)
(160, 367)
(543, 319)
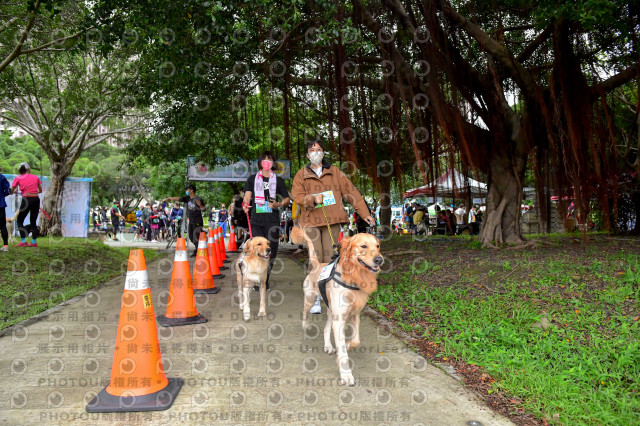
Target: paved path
(265, 371)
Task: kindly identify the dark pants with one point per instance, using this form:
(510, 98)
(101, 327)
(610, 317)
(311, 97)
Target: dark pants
(3, 226)
(271, 233)
(30, 206)
(194, 233)
(147, 230)
(116, 227)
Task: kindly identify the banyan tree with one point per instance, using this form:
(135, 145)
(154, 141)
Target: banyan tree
(409, 87)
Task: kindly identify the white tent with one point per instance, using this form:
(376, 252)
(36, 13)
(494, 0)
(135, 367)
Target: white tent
(451, 184)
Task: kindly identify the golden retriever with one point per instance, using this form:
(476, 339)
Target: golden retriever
(359, 264)
(251, 269)
(11, 225)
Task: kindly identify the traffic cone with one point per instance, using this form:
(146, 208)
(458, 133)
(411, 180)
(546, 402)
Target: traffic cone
(212, 251)
(232, 247)
(202, 278)
(181, 309)
(138, 382)
(216, 239)
(222, 249)
(340, 236)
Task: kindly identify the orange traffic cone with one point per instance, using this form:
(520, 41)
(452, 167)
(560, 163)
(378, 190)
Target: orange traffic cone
(232, 247)
(216, 235)
(212, 251)
(181, 309)
(222, 249)
(202, 278)
(138, 382)
(340, 236)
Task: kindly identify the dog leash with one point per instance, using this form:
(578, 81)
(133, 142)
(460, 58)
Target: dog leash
(249, 222)
(45, 214)
(324, 212)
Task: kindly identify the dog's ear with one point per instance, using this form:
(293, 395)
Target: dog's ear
(345, 248)
(247, 246)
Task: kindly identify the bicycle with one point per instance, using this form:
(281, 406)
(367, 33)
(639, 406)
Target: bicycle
(174, 233)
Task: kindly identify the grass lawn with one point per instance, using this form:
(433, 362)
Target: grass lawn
(36, 279)
(551, 331)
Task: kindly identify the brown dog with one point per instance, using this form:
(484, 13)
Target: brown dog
(251, 269)
(347, 294)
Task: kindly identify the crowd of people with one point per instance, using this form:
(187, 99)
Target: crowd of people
(446, 221)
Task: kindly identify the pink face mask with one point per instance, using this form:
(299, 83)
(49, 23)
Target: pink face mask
(266, 164)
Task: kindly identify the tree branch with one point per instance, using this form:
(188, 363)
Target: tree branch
(22, 125)
(495, 49)
(44, 46)
(16, 51)
(615, 81)
(531, 47)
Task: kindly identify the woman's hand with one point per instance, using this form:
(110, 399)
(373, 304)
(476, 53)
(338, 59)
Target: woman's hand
(370, 220)
(246, 207)
(318, 199)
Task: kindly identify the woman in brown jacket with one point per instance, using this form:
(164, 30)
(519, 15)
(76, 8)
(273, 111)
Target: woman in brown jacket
(322, 183)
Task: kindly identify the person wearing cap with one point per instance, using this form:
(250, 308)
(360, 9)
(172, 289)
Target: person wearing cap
(195, 207)
(30, 186)
(318, 188)
(5, 189)
(115, 218)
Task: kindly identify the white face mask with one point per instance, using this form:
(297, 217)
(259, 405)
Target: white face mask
(316, 157)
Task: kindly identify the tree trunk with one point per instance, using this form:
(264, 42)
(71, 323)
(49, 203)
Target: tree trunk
(501, 223)
(52, 203)
(385, 204)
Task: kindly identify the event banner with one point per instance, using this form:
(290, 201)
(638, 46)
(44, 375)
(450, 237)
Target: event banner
(76, 198)
(234, 172)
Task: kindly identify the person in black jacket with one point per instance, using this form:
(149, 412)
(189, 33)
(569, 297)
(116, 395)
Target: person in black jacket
(239, 220)
(195, 207)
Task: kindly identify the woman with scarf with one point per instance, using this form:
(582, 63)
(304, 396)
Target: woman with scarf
(321, 184)
(261, 197)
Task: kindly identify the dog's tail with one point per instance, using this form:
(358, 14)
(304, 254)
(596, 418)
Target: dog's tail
(298, 235)
(15, 216)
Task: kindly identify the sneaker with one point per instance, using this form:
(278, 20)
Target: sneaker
(154, 241)
(4, 248)
(32, 245)
(317, 307)
(21, 244)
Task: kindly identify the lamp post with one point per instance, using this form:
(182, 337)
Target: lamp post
(118, 188)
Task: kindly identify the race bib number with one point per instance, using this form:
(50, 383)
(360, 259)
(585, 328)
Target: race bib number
(327, 198)
(264, 208)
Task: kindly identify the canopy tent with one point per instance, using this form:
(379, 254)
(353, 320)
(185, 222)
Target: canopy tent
(451, 184)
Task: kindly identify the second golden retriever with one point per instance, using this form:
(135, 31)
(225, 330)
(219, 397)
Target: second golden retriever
(346, 294)
(251, 270)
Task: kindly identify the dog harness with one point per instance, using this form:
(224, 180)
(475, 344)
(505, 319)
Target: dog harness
(327, 274)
